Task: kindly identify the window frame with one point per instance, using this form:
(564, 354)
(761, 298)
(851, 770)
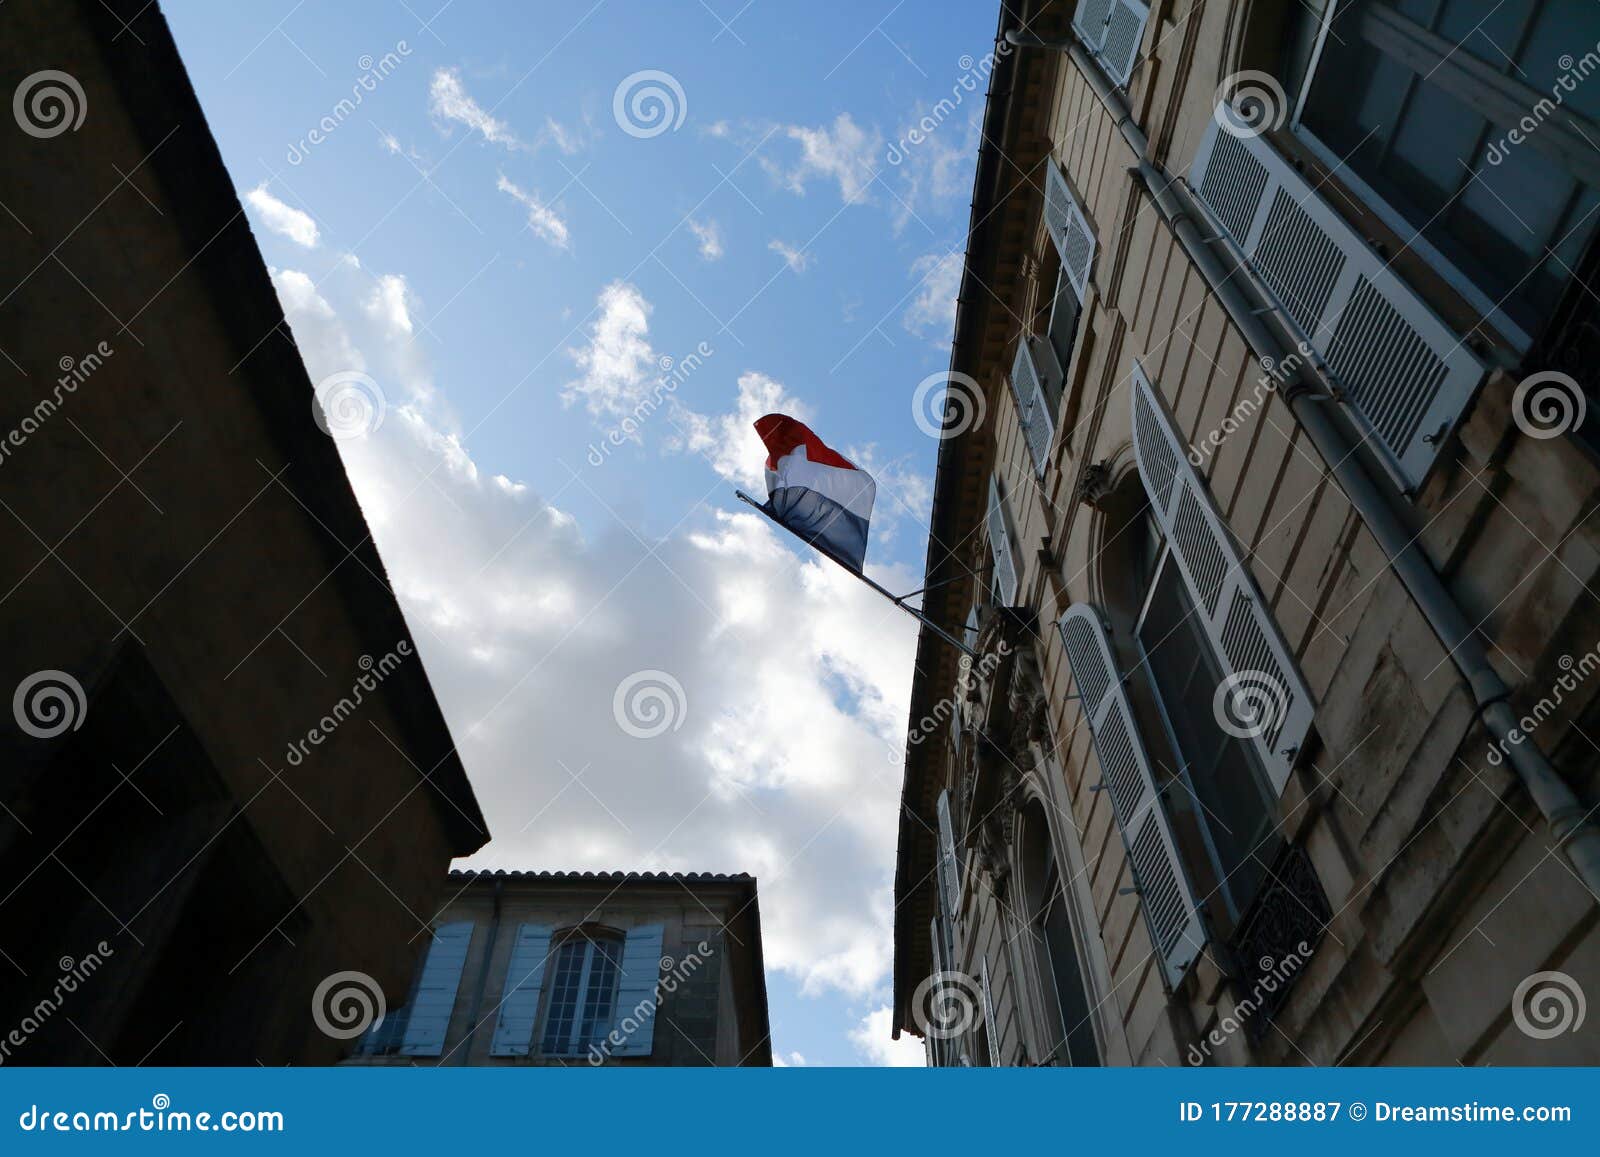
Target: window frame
(591, 938)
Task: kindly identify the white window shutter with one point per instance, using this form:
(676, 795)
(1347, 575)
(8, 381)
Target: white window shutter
(1402, 369)
(428, 1015)
(949, 864)
(1257, 665)
(1001, 547)
(1113, 31)
(1164, 890)
(1033, 404)
(1069, 229)
(519, 1005)
(636, 990)
(990, 1029)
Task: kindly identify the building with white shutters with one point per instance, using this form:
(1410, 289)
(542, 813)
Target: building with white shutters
(584, 968)
(1267, 500)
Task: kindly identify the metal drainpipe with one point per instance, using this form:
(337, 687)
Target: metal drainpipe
(464, 1053)
(1309, 396)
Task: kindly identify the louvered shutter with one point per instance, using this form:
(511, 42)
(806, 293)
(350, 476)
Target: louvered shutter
(1164, 890)
(936, 1046)
(636, 990)
(530, 952)
(1033, 402)
(990, 1028)
(428, 1014)
(949, 865)
(1401, 368)
(1000, 546)
(1069, 229)
(1244, 635)
(1113, 31)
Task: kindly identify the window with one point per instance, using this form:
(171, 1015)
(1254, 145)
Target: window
(583, 993)
(1420, 100)
(1002, 549)
(1220, 773)
(1050, 932)
(418, 1028)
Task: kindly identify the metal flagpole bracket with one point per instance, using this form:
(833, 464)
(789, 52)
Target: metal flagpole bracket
(897, 600)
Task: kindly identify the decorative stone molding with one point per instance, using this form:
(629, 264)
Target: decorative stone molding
(1094, 486)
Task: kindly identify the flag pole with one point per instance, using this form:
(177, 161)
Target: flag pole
(897, 600)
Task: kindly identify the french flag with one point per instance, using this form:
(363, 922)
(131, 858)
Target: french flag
(816, 492)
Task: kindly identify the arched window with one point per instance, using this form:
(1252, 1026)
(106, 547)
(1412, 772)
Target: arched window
(585, 968)
(1067, 1008)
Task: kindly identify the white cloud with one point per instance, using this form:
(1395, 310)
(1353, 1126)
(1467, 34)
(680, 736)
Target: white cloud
(729, 442)
(845, 153)
(935, 172)
(790, 1060)
(386, 303)
(565, 139)
(542, 219)
(448, 101)
(709, 235)
(285, 219)
(527, 623)
(619, 367)
(796, 259)
(872, 1040)
(934, 308)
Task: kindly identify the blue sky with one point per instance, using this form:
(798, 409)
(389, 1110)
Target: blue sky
(528, 211)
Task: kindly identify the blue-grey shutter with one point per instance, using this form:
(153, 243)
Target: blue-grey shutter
(1068, 226)
(1243, 632)
(949, 865)
(1034, 362)
(530, 952)
(1165, 893)
(990, 1027)
(1112, 30)
(1403, 371)
(428, 1014)
(636, 990)
(1001, 547)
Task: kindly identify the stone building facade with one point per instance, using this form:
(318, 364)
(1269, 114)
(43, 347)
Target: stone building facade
(224, 776)
(1267, 504)
(584, 968)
